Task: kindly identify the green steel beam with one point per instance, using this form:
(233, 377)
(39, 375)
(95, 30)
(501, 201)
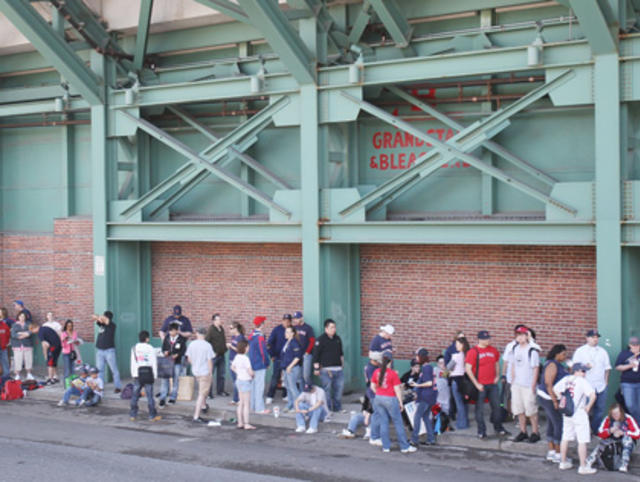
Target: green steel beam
(43, 107)
(467, 140)
(595, 27)
(142, 34)
(227, 8)
(608, 197)
(282, 37)
(216, 151)
(31, 24)
(240, 155)
(223, 232)
(394, 21)
(490, 145)
(360, 23)
(464, 232)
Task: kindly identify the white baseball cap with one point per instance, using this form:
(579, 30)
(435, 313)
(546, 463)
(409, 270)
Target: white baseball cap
(388, 329)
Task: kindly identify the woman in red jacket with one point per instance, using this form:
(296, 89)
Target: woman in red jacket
(618, 426)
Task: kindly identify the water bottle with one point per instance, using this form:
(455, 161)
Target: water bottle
(276, 411)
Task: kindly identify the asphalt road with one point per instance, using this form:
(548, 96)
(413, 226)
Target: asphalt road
(39, 440)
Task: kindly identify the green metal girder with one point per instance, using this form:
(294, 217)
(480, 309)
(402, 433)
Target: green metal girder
(490, 145)
(28, 108)
(594, 25)
(142, 34)
(282, 37)
(360, 23)
(51, 45)
(467, 232)
(466, 140)
(394, 21)
(223, 232)
(227, 8)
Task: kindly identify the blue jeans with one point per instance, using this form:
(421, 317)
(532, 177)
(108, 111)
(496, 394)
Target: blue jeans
(388, 410)
(276, 373)
(316, 416)
(307, 364)
(598, 411)
(631, 395)
(148, 391)
(257, 391)
(490, 392)
(554, 420)
(164, 384)
(235, 389)
(423, 413)
(4, 360)
(71, 392)
(355, 421)
(291, 381)
(462, 420)
(68, 365)
(108, 356)
(91, 399)
(219, 367)
(374, 423)
(333, 385)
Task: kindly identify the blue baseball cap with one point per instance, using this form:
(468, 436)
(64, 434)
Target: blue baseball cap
(593, 333)
(19, 302)
(484, 335)
(387, 354)
(297, 315)
(579, 367)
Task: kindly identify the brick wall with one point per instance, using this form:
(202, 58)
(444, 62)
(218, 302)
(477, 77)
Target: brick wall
(51, 272)
(428, 292)
(239, 281)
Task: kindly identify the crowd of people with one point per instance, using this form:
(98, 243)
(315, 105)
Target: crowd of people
(424, 401)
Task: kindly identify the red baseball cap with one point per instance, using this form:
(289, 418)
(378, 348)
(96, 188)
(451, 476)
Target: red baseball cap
(259, 320)
(523, 329)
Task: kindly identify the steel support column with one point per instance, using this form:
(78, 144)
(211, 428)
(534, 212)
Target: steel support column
(142, 35)
(608, 198)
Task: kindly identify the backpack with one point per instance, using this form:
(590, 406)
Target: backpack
(12, 390)
(610, 454)
(127, 392)
(541, 367)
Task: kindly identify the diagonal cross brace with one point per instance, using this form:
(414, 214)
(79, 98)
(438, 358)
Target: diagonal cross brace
(468, 139)
(242, 156)
(393, 20)
(196, 159)
(212, 153)
(489, 145)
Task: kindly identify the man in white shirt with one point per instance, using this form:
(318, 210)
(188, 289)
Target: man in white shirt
(144, 366)
(200, 355)
(311, 404)
(596, 359)
(506, 365)
(577, 425)
(524, 363)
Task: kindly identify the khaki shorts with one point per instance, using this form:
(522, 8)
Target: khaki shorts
(576, 427)
(204, 384)
(523, 400)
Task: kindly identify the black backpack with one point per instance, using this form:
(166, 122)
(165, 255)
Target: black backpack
(610, 454)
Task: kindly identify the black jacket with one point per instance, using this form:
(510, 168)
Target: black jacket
(217, 339)
(327, 352)
(179, 347)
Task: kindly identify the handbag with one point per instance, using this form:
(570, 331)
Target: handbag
(145, 374)
(468, 389)
(165, 367)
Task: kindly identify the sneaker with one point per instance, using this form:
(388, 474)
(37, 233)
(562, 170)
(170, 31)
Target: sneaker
(286, 410)
(117, 390)
(172, 402)
(162, 403)
(30, 377)
(551, 455)
(48, 381)
(503, 432)
(223, 394)
(285, 399)
(386, 451)
(61, 403)
(623, 468)
(409, 450)
(17, 378)
(534, 437)
(205, 409)
(375, 442)
(367, 433)
(54, 380)
(80, 403)
(300, 429)
(214, 423)
(155, 419)
(482, 436)
(565, 465)
(557, 458)
(521, 437)
(311, 431)
(269, 401)
(586, 470)
(200, 420)
(264, 412)
(347, 433)
(328, 417)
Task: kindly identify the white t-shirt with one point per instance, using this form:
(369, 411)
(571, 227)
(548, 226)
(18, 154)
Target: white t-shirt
(241, 364)
(312, 398)
(97, 384)
(580, 389)
(598, 358)
(199, 352)
(54, 325)
(458, 369)
(524, 361)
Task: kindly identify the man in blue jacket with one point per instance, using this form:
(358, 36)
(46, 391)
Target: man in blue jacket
(275, 344)
(259, 358)
(307, 340)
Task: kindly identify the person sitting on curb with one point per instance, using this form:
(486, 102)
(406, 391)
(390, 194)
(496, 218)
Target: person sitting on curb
(92, 394)
(76, 389)
(620, 427)
(576, 426)
(311, 404)
(357, 419)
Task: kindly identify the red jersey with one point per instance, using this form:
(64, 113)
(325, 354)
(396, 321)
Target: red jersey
(391, 379)
(628, 426)
(486, 358)
(5, 335)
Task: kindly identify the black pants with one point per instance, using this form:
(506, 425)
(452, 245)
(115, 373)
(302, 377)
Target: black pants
(219, 367)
